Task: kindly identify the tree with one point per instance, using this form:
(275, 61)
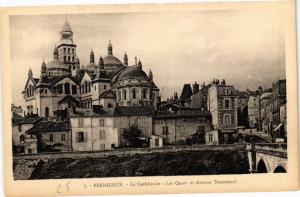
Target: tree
(132, 135)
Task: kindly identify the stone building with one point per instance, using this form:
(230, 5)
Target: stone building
(265, 110)
(278, 98)
(180, 126)
(126, 116)
(253, 110)
(222, 103)
(93, 130)
(199, 98)
(64, 84)
(22, 141)
(52, 136)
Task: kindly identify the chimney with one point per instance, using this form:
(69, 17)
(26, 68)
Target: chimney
(195, 88)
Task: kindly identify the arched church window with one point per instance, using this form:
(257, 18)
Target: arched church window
(73, 60)
(89, 87)
(68, 50)
(65, 58)
(64, 49)
(144, 93)
(22, 138)
(73, 50)
(109, 105)
(69, 58)
(134, 93)
(47, 112)
(124, 94)
(74, 89)
(59, 89)
(67, 88)
(119, 95)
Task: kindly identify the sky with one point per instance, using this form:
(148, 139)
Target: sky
(246, 47)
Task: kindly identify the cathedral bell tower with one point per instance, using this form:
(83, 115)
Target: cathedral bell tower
(66, 47)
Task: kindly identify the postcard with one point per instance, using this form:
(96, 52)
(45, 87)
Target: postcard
(150, 98)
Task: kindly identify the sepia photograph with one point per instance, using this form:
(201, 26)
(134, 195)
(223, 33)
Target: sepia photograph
(161, 93)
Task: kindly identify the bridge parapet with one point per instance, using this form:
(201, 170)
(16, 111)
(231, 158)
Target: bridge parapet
(271, 154)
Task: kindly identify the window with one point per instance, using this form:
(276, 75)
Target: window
(22, 138)
(80, 122)
(104, 87)
(67, 88)
(225, 137)
(68, 50)
(227, 119)
(29, 150)
(20, 128)
(73, 50)
(156, 142)
(89, 87)
(59, 89)
(47, 112)
(210, 137)
(119, 95)
(144, 93)
(134, 93)
(65, 58)
(124, 94)
(73, 60)
(227, 104)
(63, 137)
(102, 135)
(81, 136)
(101, 121)
(51, 137)
(74, 89)
(69, 58)
(109, 105)
(165, 130)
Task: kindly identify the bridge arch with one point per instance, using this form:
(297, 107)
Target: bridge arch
(261, 167)
(280, 169)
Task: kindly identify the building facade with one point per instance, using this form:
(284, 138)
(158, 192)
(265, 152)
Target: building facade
(93, 131)
(180, 126)
(222, 103)
(63, 83)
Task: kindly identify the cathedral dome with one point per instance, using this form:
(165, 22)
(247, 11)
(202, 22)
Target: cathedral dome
(56, 64)
(92, 66)
(112, 60)
(134, 71)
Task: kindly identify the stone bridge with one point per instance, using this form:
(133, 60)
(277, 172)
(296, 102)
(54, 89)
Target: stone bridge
(267, 157)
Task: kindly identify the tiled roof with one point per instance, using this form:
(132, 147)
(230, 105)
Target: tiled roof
(27, 120)
(83, 112)
(133, 111)
(69, 98)
(108, 94)
(49, 126)
(183, 113)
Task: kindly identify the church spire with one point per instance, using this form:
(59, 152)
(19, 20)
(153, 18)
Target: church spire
(30, 73)
(66, 32)
(92, 57)
(101, 63)
(43, 68)
(125, 59)
(109, 48)
(150, 75)
(55, 53)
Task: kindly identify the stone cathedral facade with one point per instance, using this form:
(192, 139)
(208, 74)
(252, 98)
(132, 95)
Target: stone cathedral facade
(65, 83)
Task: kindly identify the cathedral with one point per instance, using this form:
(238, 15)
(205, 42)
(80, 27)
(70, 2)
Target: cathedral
(64, 83)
